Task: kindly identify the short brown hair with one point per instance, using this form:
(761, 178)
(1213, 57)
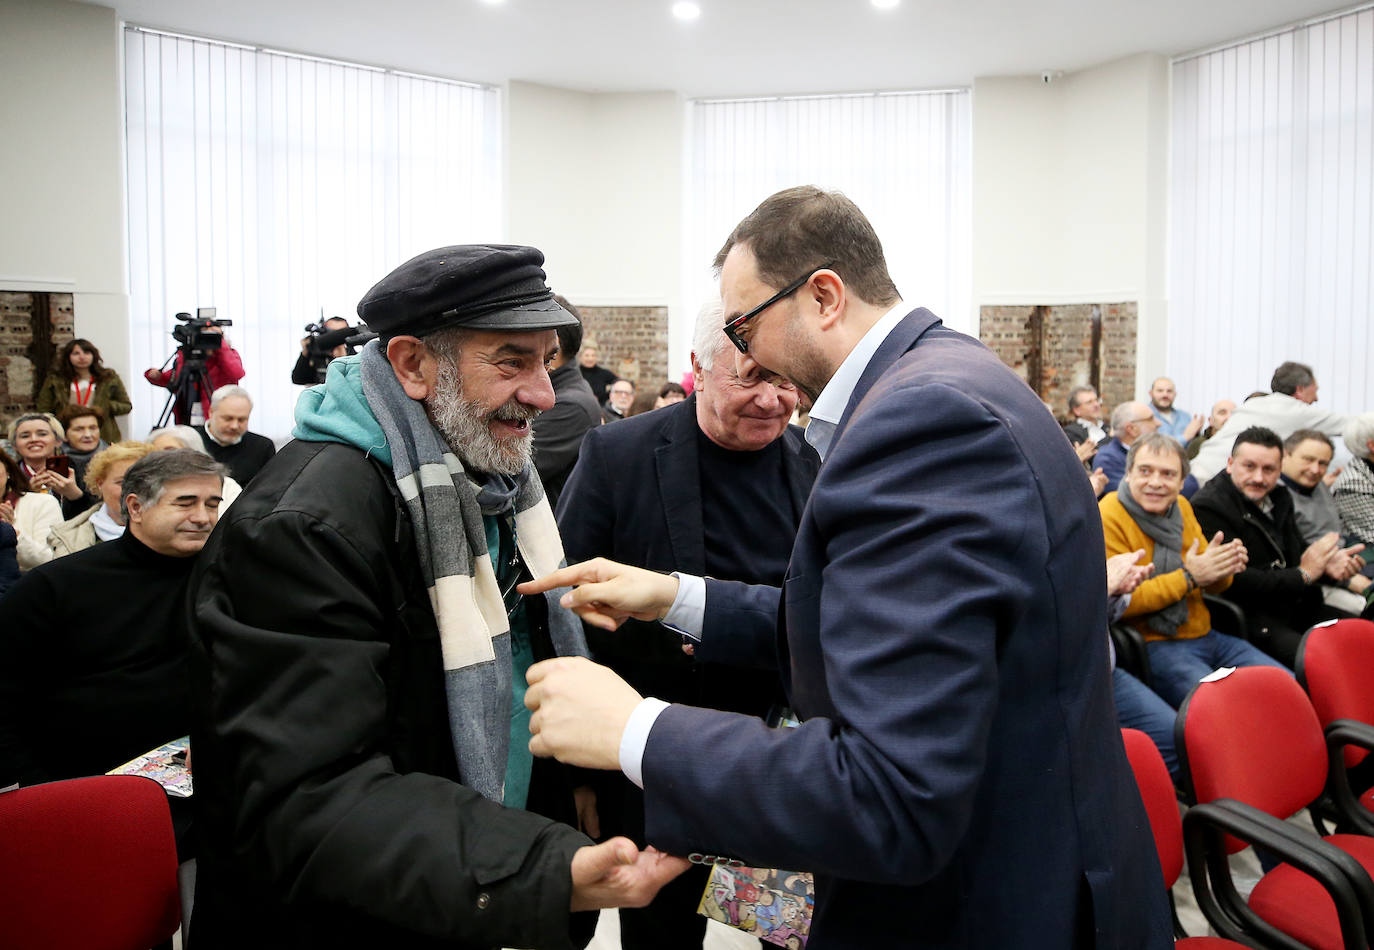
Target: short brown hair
(804, 228)
(71, 411)
(1158, 442)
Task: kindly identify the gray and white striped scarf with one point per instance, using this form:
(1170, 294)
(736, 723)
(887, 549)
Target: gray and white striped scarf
(451, 541)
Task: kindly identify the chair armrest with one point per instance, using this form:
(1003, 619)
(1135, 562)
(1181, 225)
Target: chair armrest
(1204, 830)
(1227, 616)
(1339, 734)
(1131, 654)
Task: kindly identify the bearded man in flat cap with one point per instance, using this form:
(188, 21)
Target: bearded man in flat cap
(359, 650)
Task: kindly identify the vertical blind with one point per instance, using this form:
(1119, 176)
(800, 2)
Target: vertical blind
(1272, 212)
(277, 187)
(903, 158)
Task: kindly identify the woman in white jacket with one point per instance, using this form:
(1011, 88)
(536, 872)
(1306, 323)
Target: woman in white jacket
(32, 514)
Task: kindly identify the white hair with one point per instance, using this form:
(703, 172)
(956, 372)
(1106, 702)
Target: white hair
(228, 392)
(708, 336)
(188, 437)
(1357, 434)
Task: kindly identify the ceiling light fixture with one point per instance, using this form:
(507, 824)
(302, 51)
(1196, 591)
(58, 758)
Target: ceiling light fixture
(885, 4)
(493, 3)
(686, 10)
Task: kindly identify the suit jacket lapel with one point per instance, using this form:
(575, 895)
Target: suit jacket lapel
(679, 486)
(902, 338)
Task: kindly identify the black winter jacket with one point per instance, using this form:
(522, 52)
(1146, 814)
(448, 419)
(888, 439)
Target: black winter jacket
(1270, 585)
(331, 811)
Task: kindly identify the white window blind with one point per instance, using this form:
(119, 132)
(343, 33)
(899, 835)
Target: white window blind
(276, 187)
(1272, 212)
(903, 158)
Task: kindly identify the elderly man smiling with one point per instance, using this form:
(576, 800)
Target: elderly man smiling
(361, 756)
(1147, 511)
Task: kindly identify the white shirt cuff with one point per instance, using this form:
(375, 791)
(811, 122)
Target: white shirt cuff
(636, 737)
(688, 614)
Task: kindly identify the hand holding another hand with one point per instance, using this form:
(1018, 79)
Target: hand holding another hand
(616, 873)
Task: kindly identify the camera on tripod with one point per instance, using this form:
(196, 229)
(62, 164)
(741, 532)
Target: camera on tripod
(196, 339)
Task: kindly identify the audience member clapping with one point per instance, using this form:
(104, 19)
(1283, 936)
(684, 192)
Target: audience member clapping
(82, 425)
(1147, 512)
(30, 515)
(103, 521)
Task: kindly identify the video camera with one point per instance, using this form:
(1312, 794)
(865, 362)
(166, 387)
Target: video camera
(194, 336)
(324, 340)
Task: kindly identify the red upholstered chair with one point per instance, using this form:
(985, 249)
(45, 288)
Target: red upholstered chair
(1161, 805)
(1254, 752)
(89, 863)
(1336, 666)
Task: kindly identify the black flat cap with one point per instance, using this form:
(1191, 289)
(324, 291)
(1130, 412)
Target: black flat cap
(478, 286)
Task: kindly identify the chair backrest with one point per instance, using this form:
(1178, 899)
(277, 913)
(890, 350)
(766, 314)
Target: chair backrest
(1336, 665)
(1161, 806)
(1252, 735)
(87, 862)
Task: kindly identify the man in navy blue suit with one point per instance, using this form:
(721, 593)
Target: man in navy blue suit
(958, 779)
(669, 491)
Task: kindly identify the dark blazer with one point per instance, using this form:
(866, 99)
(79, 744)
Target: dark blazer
(958, 779)
(558, 432)
(635, 497)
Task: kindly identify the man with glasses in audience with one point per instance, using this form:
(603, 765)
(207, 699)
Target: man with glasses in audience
(938, 633)
(713, 485)
(1131, 421)
(618, 403)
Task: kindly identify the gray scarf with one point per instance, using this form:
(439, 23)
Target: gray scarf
(1166, 531)
(451, 541)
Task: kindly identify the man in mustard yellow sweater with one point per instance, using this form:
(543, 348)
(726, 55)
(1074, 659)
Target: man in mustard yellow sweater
(1146, 511)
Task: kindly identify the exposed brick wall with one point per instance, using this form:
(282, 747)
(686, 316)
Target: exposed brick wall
(631, 342)
(33, 327)
(1065, 335)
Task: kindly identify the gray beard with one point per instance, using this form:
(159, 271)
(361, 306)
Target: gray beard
(464, 426)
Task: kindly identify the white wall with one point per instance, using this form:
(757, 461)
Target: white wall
(595, 182)
(1070, 192)
(63, 165)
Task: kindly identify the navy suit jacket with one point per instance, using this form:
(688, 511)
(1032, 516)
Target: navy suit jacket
(958, 779)
(635, 497)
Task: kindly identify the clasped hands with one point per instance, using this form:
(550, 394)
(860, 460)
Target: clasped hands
(578, 716)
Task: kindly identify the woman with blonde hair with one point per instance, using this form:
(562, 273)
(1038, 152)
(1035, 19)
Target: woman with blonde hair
(103, 521)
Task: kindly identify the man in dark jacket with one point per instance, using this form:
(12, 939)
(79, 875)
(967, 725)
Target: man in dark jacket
(558, 433)
(669, 490)
(1280, 587)
(362, 767)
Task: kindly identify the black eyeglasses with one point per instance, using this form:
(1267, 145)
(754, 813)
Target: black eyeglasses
(732, 328)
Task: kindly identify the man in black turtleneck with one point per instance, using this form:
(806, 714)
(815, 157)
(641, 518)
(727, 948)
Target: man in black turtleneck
(712, 485)
(93, 658)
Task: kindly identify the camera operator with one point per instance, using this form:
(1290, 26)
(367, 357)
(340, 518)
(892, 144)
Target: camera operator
(223, 367)
(325, 343)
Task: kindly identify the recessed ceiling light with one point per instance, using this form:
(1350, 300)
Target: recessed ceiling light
(885, 4)
(686, 10)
